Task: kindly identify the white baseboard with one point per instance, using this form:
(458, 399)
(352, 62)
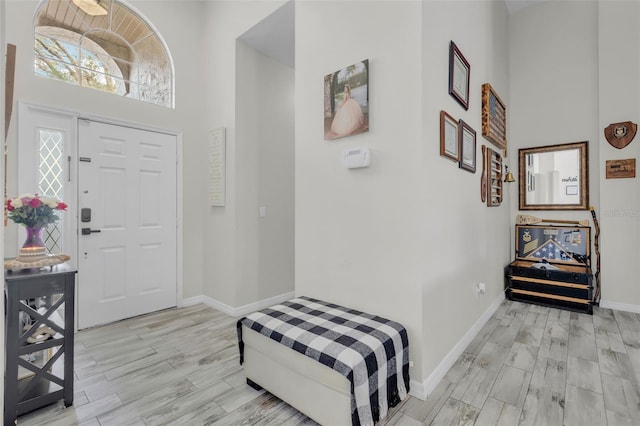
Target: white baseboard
(620, 306)
(190, 301)
(417, 390)
(422, 390)
(240, 310)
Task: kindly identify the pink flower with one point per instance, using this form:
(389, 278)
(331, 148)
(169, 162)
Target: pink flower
(33, 210)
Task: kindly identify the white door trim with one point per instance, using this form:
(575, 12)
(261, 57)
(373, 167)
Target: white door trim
(24, 133)
(30, 118)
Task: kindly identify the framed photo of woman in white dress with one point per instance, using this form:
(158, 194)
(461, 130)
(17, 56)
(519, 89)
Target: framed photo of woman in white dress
(346, 101)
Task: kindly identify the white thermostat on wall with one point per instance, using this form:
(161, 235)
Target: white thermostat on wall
(356, 157)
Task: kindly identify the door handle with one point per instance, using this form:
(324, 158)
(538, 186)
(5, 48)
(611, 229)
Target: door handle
(88, 231)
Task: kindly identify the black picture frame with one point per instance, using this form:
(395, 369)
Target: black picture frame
(467, 141)
(459, 76)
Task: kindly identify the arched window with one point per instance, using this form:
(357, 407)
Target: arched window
(104, 45)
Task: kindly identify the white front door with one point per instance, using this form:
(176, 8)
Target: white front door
(127, 262)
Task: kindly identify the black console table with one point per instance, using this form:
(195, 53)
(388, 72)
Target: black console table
(38, 368)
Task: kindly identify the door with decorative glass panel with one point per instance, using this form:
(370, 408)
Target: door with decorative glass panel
(127, 264)
(47, 142)
(129, 267)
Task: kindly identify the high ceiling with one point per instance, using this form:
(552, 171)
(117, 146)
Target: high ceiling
(274, 36)
(121, 21)
(516, 5)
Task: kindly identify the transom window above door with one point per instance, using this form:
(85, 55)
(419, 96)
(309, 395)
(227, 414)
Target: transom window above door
(103, 45)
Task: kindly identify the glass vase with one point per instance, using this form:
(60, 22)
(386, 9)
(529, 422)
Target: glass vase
(34, 237)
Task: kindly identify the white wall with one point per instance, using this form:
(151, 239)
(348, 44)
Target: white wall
(357, 231)
(171, 19)
(560, 97)
(225, 21)
(408, 237)
(619, 85)
(463, 241)
(553, 55)
(264, 176)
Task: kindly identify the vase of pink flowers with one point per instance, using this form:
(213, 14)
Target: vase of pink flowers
(35, 213)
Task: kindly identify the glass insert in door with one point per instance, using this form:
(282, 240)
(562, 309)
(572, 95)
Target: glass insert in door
(50, 182)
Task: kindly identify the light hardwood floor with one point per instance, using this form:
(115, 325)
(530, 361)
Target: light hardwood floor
(529, 365)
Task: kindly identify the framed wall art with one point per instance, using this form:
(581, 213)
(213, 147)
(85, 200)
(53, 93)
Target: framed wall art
(494, 118)
(449, 144)
(217, 167)
(467, 142)
(346, 101)
(459, 74)
(494, 177)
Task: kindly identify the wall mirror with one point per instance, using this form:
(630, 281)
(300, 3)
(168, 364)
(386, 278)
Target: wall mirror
(554, 177)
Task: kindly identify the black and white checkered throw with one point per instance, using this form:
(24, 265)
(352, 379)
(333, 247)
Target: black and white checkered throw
(370, 351)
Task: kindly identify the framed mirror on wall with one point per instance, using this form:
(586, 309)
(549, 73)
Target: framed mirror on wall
(554, 177)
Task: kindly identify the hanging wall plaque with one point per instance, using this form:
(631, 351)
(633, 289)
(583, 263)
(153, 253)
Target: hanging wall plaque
(620, 135)
(494, 118)
(616, 169)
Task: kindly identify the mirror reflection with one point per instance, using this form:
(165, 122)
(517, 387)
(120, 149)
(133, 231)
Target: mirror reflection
(554, 177)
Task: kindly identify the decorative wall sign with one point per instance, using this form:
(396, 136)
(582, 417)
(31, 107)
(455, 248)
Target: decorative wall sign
(494, 118)
(459, 75)
(449, 146)
(217, 163)
(483, 176)
(617, 169)
(346, 101)
(467, 138)
(620, 135)
(494, 177)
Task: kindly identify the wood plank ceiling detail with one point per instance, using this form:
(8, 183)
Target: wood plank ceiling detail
(121, 21)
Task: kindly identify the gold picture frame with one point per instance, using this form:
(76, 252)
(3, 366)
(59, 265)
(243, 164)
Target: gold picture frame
(573, 161)
(449, 144)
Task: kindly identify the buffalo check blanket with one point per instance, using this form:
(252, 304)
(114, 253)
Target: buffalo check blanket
(370, 351)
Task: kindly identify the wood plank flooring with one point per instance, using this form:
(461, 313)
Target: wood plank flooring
(529, 365)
